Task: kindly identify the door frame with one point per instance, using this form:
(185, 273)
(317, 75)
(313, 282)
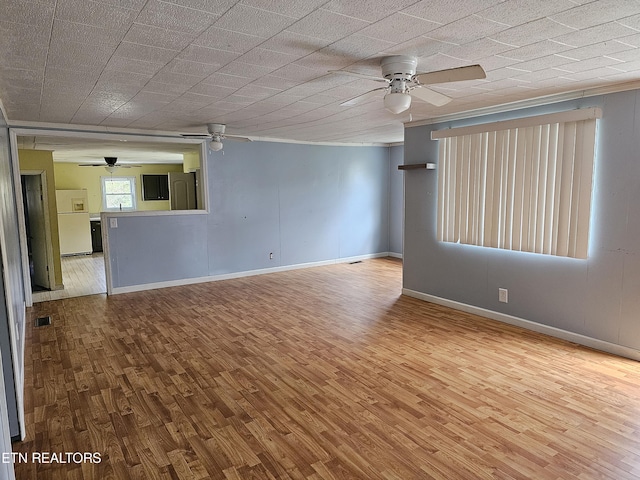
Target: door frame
(94, 133)
(47, 226)
(22, 228)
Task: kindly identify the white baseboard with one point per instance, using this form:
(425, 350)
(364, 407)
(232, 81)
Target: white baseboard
(246, 273)
(590, 342)
(395, 255)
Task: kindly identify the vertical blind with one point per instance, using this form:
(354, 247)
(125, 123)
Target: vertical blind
(519, 185)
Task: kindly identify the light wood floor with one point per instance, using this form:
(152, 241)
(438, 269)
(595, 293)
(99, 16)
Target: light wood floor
(81, 275)
(322, 373)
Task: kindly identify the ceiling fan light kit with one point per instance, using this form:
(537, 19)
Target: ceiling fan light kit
(398, 70)
(215, 145)
(111, 164)
(397, 102)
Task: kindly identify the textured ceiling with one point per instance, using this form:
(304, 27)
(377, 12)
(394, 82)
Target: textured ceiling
(260, 66)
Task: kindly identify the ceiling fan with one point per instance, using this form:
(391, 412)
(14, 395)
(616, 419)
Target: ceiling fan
(403, 83)
(216, 134)
(109, 164)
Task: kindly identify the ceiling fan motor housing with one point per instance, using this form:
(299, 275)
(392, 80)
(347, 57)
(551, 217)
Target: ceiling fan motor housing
(111, 161)
(216, 129)
(399, 65)
(399, 69)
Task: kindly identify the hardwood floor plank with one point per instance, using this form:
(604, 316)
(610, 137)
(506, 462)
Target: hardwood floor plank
(81, 275)
(322, 373)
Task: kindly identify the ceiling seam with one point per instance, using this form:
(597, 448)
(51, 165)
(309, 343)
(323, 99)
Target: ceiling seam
(46, 60)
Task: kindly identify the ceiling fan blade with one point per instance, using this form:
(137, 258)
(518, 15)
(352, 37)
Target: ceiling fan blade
(430, 96)
(360, 75)
(91, 164)
(237, 139)
(195, 135)
(470, 72)
(362, 98)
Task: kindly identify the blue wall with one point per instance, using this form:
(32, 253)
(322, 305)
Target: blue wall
(597, 297)
(302, 203)
(396, 199)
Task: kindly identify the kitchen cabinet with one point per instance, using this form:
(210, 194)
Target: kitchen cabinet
(155, 187)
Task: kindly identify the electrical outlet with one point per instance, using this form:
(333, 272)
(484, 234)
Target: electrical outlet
(503, 295)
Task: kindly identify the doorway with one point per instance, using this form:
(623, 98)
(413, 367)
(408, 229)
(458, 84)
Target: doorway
(80, 274)
(34, 148)
(37, 225)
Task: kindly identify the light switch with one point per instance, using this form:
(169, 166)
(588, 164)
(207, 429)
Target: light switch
(113, 223)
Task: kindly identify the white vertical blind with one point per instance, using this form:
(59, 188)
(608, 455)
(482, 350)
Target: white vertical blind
(524, 187)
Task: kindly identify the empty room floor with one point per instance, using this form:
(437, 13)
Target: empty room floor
(321, 373)
(81, 275)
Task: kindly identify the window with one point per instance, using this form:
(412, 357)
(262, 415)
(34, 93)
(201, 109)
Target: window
(119, 193)
(519, 185)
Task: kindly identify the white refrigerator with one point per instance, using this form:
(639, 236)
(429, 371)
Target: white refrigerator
(74, 227)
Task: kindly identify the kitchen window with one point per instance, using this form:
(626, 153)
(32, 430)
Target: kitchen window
(119, 193)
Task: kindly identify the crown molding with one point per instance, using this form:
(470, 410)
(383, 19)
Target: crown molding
(3, 112)
(73, 128)
(85, 130)
(532, 102)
